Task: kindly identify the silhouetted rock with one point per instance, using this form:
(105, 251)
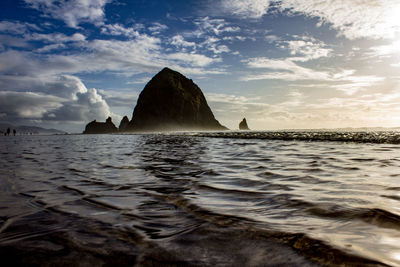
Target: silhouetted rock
(170, 101)
(123, 124)
(243, 125)
(95, 127)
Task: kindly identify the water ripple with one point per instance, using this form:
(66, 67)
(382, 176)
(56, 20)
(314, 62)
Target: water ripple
(151, 196)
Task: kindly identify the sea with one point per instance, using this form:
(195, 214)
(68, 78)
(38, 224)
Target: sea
(278, 198)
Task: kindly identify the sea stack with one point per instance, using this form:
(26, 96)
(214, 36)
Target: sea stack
(170, 101)
(95, 127)
(243, 125)
(123, 124)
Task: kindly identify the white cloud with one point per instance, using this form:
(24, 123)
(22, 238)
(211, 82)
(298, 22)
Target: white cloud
(287, 70)
(215, 26)
(157, 28)
(230, 109)
(247, 8)
(56, 37)
(139, 80)
(354, 19)
(63, 98)
(396, 65)
(196, 60)
(354, 84)
(12, 41)
(376, 19)
(118, 99)
(118, 29)
(27, 105)
(211, 43)
(179, 41)
(17, 27)
(142, 54)
(309, 48)
(51, 47)
(386, 50)
(72, 12)
(272, 38)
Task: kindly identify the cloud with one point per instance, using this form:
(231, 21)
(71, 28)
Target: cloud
(386, 50)
(354, 84)
(287, 70)
(179, 41)
(192, 59)
(27, 105)
(56, 37)
(208, 36)
(50, 48)
(87, 106)
(118, 29)
(246, 8)
(230, 109)
(215, 26)
(18, 28)
(308, 48)
(57, 99)
(212, 44)
(72, 12)
(13, 42)
(157, 28)
(120, 99)
(141, 54)
(374, 19)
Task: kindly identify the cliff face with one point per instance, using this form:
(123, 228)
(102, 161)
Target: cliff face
(95, 127)
(170, 101)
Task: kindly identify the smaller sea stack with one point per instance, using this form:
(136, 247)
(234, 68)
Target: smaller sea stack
(243, 125)
(123, 124)
(95, 127)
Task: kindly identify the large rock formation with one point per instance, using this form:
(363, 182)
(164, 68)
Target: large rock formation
(243, 125)
(170, 101)
(123, 124)
(95, 127)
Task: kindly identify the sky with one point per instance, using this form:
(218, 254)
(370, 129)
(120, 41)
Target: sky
(282, 64)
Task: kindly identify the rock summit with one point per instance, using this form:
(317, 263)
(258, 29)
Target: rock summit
(170, 101)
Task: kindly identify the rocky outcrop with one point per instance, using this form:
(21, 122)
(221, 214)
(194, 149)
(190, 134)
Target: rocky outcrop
(243, 125)
(170, 101)
(95, 127)
(123, 124)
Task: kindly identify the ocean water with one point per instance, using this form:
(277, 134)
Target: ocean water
(201, 199)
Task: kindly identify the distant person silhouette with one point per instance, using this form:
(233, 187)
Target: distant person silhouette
(14, 132)
(8, 131)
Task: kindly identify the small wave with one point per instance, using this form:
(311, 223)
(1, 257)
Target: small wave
(101, 203)
(358, 137)
(392, 197)
(234, 192)
(76, 190)
(363, 159)
(375, 216)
